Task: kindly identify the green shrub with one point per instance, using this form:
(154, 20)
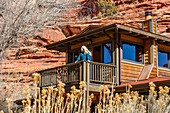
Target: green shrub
(107, 8)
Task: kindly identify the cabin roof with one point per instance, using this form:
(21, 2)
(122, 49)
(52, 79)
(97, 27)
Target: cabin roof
(143, 85)
(91, 27)
(95, 32)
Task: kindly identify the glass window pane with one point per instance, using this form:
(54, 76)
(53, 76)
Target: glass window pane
(128, 52)
(132, 52)
(162, 59)
(107, 53)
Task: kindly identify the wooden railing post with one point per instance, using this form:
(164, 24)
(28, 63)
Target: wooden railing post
(84, 71)
(87, 88)
(84, 79)
(80, 72)
(40, 83)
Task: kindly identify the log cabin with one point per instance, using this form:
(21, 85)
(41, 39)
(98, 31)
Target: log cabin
(121, 55)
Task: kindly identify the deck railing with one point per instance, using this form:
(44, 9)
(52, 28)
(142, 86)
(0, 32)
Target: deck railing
(93, 72)
(101, 73)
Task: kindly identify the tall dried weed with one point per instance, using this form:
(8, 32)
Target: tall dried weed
(55, 100)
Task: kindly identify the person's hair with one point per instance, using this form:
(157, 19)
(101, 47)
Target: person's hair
(86, 50)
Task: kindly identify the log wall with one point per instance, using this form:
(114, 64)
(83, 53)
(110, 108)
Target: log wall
(130, 71)
(164, 72)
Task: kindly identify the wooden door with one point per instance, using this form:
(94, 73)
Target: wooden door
(97, 54)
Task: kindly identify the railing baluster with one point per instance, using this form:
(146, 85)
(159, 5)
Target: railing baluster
(80, 72)
(110, 74)
(106, 74)
(93, 71)
(55, 77)
(102, 74)
(96, 72)
(75, 77)
(68, 73)
(40, 83)
(73, 72)
(62, 74)
(49, 78)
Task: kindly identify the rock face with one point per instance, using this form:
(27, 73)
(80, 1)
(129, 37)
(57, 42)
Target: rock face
(33, 56)
(130, 14)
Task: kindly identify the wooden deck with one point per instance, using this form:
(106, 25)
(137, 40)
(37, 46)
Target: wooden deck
(70, 74)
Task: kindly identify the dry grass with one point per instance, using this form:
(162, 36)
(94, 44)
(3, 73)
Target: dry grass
(132, 102)
(55, 100)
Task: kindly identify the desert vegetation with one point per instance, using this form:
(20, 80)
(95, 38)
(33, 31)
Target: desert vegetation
(55, 100)
(107, 8)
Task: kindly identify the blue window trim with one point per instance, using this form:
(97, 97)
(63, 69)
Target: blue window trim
(124, 42)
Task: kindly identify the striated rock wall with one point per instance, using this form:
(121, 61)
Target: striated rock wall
(33, 56)
(131, 13)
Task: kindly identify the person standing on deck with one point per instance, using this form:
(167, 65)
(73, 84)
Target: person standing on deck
(84, 55)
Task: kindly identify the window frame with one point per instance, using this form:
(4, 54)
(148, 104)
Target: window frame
(134, 44)
(164, 51)
(103, 44)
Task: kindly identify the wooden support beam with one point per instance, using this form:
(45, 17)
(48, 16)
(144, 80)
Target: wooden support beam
(132, 39)
(167, 43)
(124, 32)
(111, 38)
(114, 56)
(161, 41)
(117, 56)
(92, 37)
(163, 47)
(134, 34)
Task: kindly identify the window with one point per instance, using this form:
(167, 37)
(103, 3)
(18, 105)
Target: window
(163, 58)
(132, 52)
(108, 52)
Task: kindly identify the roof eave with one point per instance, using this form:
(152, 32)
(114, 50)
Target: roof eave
(64, 43)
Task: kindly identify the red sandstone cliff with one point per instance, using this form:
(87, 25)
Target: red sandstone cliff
(35, 57)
